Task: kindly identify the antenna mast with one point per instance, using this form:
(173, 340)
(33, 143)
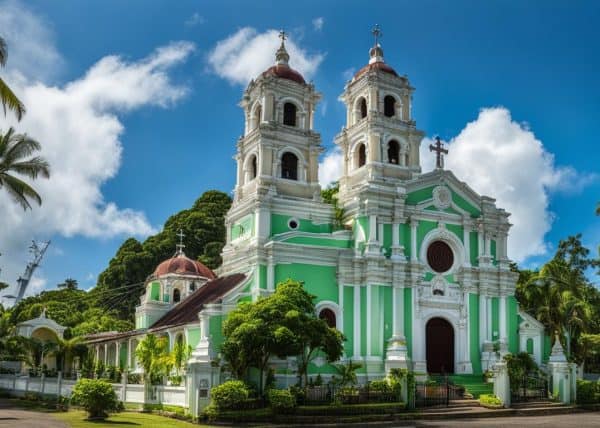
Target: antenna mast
(23, 281)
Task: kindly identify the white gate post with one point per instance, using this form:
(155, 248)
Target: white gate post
(502, 383)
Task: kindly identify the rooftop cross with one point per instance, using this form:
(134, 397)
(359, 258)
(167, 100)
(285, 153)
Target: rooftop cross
(180, 246)
(438, 148)
(282, 36)
(376, 31)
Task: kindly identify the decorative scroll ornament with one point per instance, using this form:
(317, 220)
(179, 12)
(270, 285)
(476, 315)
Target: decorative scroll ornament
(441, 197)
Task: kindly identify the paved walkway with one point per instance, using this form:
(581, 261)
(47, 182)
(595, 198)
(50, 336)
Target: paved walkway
(575, 420)
(13, 417)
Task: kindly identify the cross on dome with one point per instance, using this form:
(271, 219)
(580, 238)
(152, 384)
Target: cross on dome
(180, 246)
(376, 31)
(376, 53)
(282, 57)
(439, 150)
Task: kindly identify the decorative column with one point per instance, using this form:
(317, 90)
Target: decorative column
(397, 249)
(413, 240)
(373, 245)
(467, 242)
(483, 318)
(270, 274)
(357, 326)
(105, 354)
(397, 353)
(117, 349)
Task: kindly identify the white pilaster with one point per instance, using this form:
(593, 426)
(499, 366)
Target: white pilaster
(270, 274)
(357, 326)
(369, 289)
(483, 318)
(467, 243)
(413, 240)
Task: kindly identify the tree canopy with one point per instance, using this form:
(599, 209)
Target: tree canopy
(121, 284)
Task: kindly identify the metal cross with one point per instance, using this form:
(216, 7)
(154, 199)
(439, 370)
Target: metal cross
(438, 148)
(376, 31)
(180, 246)
(282, 36)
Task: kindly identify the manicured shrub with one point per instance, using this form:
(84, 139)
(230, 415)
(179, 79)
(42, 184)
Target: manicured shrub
(96, 396)
(228, 394)
(587, 392)
(489, 400)
(281, 400)
(380, 386)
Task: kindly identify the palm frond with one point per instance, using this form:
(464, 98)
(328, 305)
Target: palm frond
(32, 167)
(20, 191)
(3, 52)
(10, 101)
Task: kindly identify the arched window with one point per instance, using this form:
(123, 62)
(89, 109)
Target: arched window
(289, 114)
(253, 168)
(362, 104)
(328, 316)
(257, 117)
(362, 155)
(389, 106)
(192, 287)
(394, 152)
(289, 166)
(176, 295)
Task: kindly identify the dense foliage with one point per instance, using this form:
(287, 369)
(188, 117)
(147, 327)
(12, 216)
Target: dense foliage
(282, 324)
(121, 283)
(96, 396)
(229, 394)
(588, 392)
(281, 400)
(564, 299)
(490, 400)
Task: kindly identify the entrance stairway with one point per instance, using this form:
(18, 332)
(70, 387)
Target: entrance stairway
(474, 384)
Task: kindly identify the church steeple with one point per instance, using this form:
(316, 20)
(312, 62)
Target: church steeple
(281, 56)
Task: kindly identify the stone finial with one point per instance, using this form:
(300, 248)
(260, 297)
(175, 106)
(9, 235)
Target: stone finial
(558, 353)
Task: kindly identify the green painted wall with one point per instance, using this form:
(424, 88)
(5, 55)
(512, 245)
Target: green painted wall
(529, 346)
(462, 203)
(457, 230)
(474, 332)
(423, 229)
(216, 330)
(363, 320)
(349, 320)
(512, 324)
(495, 319)
(493, 251)
(193, 336)
(123, 356)
(245, 226)
(155, 291)
(546, 348)
(166, 298)
(418, 196)
(262, 272)
(363, 223)
(408, 317)
(318, 280)
(388, 321)
(376, 320)
(279, 224)
(473, 248)
(323, 242)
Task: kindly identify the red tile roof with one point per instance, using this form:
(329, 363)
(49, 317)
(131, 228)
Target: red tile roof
(285, 72)
(187, 311)
(375, 66)
(183, 265)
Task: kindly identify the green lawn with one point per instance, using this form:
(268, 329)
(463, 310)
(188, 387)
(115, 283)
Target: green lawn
(76, 419)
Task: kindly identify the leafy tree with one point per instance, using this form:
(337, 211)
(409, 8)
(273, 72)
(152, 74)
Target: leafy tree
(7, 98)
(180, 355)
(67, 349)
(277, 325)
(330, 196)
(152, 354)
(347, 373)
(121, 284)
(14, 152)
(69, 284)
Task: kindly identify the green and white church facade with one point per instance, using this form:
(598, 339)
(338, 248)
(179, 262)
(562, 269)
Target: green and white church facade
(411, 267)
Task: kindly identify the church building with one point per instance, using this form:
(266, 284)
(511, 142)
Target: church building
(411, 267)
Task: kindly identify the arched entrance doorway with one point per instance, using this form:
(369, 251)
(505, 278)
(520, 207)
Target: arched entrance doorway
(439, 336)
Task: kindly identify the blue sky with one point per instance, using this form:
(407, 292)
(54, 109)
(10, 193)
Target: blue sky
(167, 132)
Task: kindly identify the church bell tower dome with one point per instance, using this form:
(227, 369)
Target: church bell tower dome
(281, 68)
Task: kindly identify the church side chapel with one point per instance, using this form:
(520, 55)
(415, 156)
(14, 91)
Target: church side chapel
(416, 275)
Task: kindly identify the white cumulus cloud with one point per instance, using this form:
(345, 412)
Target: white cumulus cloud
(80, 129)
(245, 54)
(501, 158)
(331, 167)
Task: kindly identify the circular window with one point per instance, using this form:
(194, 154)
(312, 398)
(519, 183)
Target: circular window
(293, 223)
(440, 256)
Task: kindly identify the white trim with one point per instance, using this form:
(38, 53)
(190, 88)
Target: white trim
(328, 304)
(450, 238)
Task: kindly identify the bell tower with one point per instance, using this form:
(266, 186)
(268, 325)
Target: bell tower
(380, 141)
(279, 149)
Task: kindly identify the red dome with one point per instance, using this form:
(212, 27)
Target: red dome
(382, 66)
(182, 265)
(285, 72)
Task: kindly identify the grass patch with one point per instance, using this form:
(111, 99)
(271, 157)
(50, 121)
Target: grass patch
(76, 419)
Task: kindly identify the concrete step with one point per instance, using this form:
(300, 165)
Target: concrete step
(537, 404)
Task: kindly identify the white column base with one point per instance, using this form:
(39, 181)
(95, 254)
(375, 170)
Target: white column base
(396, 354)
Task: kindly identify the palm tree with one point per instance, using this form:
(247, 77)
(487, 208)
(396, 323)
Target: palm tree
(14, 148)
(68, 348)
(151, 353)
(8, 99)
(69, 284)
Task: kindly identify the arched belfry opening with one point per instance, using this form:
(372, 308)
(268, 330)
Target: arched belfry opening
(362, 106)
(253, 167)
(176, 296)
(289, 166)
(389, 106)
(393, 152)
(362, 155)
(289, 114)
(439, 337)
